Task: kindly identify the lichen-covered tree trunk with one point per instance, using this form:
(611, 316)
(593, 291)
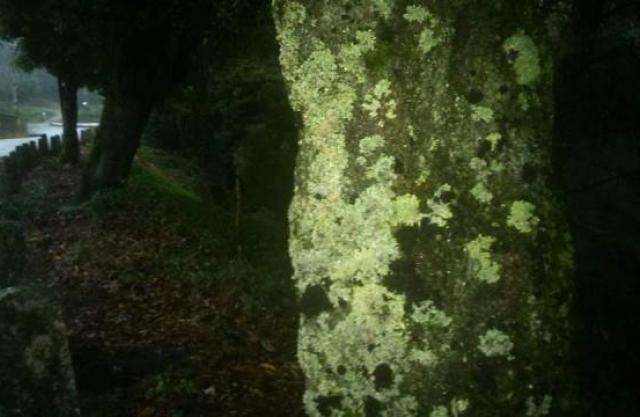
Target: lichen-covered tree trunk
(430, 254)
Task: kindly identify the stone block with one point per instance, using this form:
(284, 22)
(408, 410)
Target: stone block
(12, 253)
(37, 378)
(14, 174)
(22, 160)
(5, 178)
(33, 150)
(43, 145)
(56, 145)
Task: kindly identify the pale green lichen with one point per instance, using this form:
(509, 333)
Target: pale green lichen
(435, 143)
(426, 314)
(437, 116)
(459, 406)
(423, 170)
(381, 169)
(538, 410)
(481, 193)
(496, 167)
(427, 38)
(383, 7)
(351, 55)
(439, 212)
(417, 14)
(344, 240)
(366, 39)
(481, 114)
(424, 357)
(407, 210)
(480, 190)
(479, 251)
(527, 60)
(294, 15)
(439, 411)
(370, 144)
(374, 321)
(379, 103)
(495, 343)
(493, 139)
(479, 166)
(521, 217)
(404, 406)
(343, 231)
(422, 178)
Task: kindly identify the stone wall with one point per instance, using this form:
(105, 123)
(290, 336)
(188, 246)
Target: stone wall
(12, 253)
(37, 375)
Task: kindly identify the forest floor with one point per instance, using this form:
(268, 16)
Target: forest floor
(163, 319)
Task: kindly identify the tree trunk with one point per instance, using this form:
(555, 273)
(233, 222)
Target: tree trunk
(596, 115)
(68, 92)
(431, 258)
(123, 120)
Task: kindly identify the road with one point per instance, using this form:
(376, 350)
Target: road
(8, 145)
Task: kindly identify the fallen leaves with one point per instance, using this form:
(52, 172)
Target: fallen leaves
(130, 303)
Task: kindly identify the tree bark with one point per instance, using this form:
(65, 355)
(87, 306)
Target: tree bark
(68, 93)
(431, 257)
(123, 120)
(150, 64)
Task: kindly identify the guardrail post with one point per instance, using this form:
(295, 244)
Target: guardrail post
(56, 145)
(9, 179)
(14, 185)
(33, 150)
(12, 253)
(43, 145)
(4, 178)
(22, 161)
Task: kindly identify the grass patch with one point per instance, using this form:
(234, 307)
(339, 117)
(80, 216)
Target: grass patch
(161, 192)
(176, 234)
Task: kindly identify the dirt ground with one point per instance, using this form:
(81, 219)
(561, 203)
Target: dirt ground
(144, 343)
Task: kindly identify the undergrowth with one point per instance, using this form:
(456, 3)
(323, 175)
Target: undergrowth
(191, 238)
(176, 304)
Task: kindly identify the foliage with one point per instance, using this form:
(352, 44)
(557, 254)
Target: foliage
(166, 202)
(231, 116)
(157, 185)
(37, 84)
(51, 34)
